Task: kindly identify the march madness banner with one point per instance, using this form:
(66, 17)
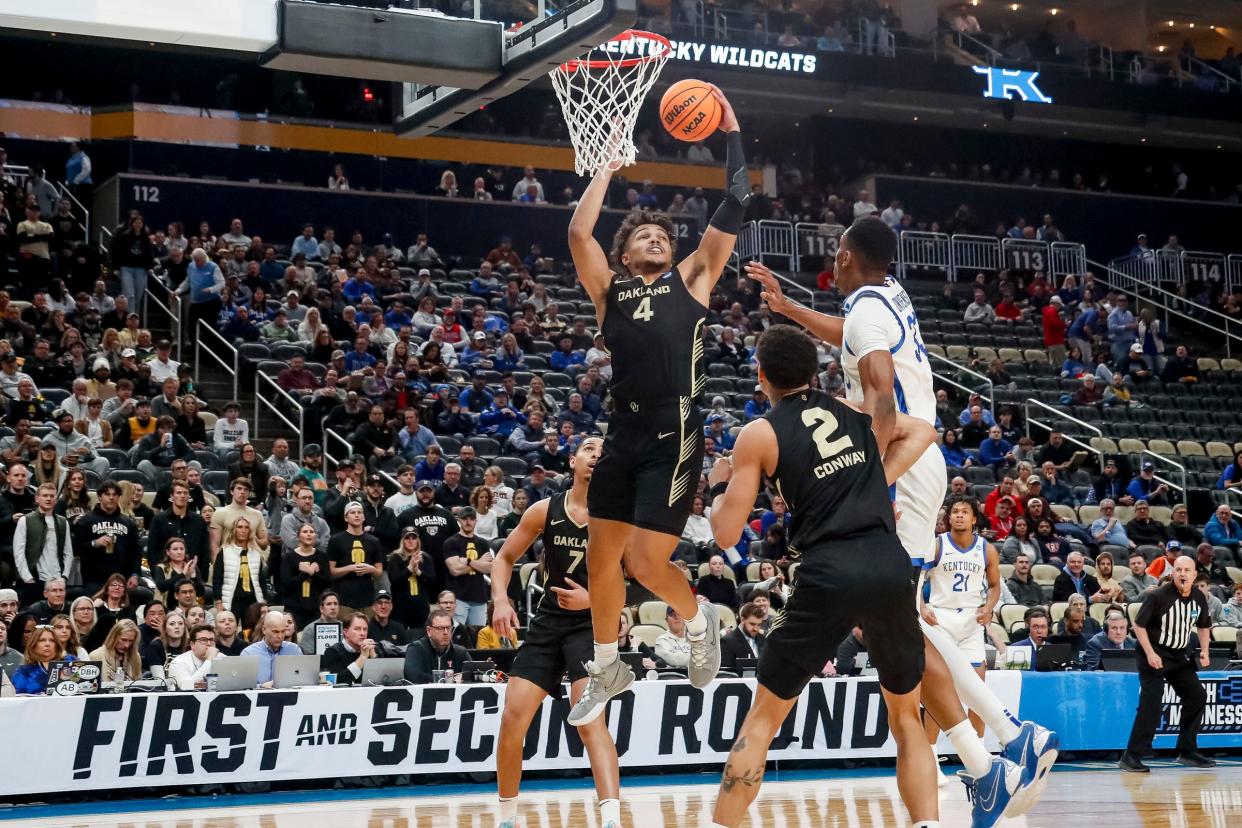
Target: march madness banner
(144, 740)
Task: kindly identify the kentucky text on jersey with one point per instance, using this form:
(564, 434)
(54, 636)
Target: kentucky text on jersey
(840, 462)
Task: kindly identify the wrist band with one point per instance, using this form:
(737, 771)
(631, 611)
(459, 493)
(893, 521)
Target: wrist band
(717, 490)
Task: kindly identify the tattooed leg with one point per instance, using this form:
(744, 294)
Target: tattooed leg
(743, 772)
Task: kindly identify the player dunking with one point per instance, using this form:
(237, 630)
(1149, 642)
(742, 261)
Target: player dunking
(964, 580)
(558, 640)
(887, 372)
(823, 456)
(652, 319)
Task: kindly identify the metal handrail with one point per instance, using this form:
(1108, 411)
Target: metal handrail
(992, 54)
(327, 446)
(1026, 412)
(991, 386)
(259, 398)
(1174, 464)
(212, 352)
(105, 240)
(1194, 61)
(1137, 288)
(85, 223)
(173, 309)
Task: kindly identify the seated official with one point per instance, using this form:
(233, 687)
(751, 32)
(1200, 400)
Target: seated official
(348, 656)
(1037, 626)
(1114, 637)
(746, 640)
(435, 651)
(189, 670)
(271, 645)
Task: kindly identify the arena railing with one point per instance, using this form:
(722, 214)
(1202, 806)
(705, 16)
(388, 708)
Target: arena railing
(916, 248)
(1053, 426)
(974, 253)
(989, 397)
(261, 380)
(1171, 304)
(777, 238)
(1066, 259)
(1233, 272)
(328, 436)
(216, 346)
(780, 239)
(1181, 469)
(85, 223)
(170, 305)
(18, 174)
(816, 241)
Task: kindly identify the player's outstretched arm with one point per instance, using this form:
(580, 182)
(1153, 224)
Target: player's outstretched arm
(735, 480)
(828, 328)
(590, 261)
(504, 618)
(702, 268)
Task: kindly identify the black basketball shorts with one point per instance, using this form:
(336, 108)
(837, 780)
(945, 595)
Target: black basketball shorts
(651, 465)
(554, 646)
(863, 583)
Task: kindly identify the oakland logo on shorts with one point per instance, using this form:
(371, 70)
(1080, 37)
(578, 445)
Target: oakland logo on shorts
(1223, 713)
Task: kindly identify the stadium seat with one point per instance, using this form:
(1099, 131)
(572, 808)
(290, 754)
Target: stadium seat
(1216, 448)
(647, 633)
(1129, 445)
(1150, 552)
(1104, 444)
(216, 481)
(1056, 611)
(1235, 574)
(117, 458)
(728, 618)
(1044, 574)
(485, 446)
(1087, 513)
(1161, 514)
(1132, 610)
(1006, 571)
(752, 571)
(1012, 614)
(1224, 633)
(1099, 612)
(997, 633)
(1124, 514)
(511, 466)
(1065, 513)
(1231, 365)
(1207, 364)
(209, 419)
(652, 612)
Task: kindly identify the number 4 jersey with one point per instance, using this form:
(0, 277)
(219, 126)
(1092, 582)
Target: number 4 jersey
(882, 318)
(830, 473)
(564, 555)
(654, 333)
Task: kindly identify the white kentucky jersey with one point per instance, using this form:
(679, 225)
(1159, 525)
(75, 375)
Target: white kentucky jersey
(882, 317)
(958, 577)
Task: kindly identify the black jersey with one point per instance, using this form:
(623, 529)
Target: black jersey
(829, 472)
(564, 553)
(654, 333)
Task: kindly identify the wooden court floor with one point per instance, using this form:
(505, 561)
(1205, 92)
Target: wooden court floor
(1094, 795)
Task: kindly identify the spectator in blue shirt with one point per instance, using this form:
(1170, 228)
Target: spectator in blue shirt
(1055, 490)
(1231, 477)
(431, 467)
(500, 418)
(271, 646)
(414, 438)
(565, 355)
(1082, 331)
(271, 270)
(357, 286)
(30, 679)
(954, 454)
(1147, 487)
(476, 398)
(994, 451)
(1223, 530)
(475, 354)
(715, 429)
(359, 358)
(757, 405)
(582, 421)
(397, 316)
(976, 399)
(306, 244)
(1121, 330)
(1108, 529)
(509, 357)
(485, 284)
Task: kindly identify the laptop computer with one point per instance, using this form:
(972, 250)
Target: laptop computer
(503, 659)
(635, 663)
(1054, 655)
(236, 672)
(295, 671)
(472, 672)
(1118, 661)
(74, 678)
(383, 672)
(746, 667)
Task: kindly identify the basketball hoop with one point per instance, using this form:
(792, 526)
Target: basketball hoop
(600, 94)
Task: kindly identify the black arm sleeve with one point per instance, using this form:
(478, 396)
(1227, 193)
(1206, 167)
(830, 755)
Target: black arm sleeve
(729, 215)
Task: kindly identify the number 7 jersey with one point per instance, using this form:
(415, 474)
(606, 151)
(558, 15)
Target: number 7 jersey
(564, 555)
(881, 317)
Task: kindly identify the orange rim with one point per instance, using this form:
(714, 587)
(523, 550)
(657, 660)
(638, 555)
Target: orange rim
(630, 34)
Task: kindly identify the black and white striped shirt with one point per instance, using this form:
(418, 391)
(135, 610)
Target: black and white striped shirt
(1171, 619)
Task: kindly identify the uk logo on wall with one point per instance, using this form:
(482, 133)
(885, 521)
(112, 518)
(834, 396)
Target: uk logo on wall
(1012, 83)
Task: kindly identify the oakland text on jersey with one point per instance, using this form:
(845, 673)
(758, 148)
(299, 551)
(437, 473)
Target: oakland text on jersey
(654, 289)
(572, 541)
(839, 462)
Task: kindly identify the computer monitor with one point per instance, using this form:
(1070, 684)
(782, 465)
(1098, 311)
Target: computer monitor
(383, 672)
(1118, 661)
(1054, 655)
(746, 667)
(503, 659)
(295, 671)
(236, 672)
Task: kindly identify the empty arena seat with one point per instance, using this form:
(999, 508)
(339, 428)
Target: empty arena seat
(652, 612)
(1012, 615)
(1044, 574)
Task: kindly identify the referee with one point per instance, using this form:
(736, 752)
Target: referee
(1163, 628)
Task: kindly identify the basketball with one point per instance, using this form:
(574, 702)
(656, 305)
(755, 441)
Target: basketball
(688, 110)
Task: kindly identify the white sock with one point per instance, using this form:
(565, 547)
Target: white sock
(696, 627)
(969, 747)
(605, 654)
(719, 825)
(508, 808)
(610, 809)
(971, 689)
(935, 759)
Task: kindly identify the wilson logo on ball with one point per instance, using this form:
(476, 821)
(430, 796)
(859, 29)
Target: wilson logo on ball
(676, 109)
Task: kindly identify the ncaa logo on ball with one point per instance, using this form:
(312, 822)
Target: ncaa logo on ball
(690, 126)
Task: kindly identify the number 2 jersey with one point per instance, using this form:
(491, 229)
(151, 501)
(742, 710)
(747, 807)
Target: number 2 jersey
(882, 317)
(654, 333)
(564, 554)
(830, 473)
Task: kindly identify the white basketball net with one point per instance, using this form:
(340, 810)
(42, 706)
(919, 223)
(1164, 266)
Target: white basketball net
(601, 94)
